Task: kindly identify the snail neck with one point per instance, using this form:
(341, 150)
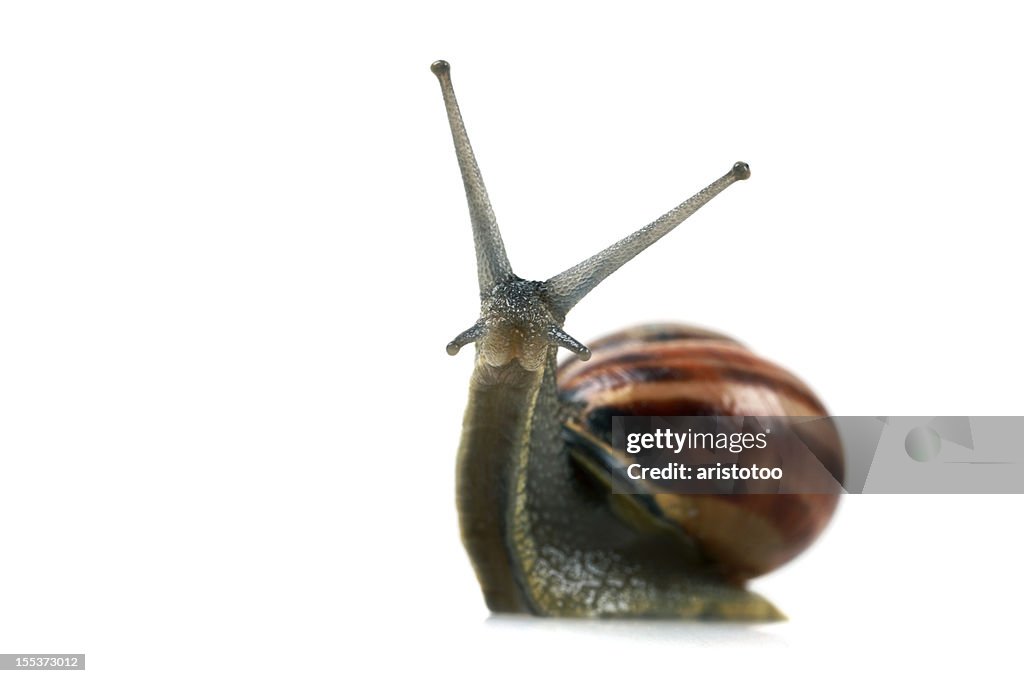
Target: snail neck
(494, 450)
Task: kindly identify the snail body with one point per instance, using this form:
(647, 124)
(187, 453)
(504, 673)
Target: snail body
(542, 528)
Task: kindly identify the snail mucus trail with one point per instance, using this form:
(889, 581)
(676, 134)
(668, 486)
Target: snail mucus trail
(544, 536)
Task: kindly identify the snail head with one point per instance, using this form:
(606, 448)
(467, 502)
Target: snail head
(521, 320)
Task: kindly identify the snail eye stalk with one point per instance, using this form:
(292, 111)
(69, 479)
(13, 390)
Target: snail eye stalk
(491, 261)
(567, 288)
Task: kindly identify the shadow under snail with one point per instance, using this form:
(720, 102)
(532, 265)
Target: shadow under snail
(545, 534)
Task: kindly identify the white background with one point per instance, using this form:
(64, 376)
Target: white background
(233, 245)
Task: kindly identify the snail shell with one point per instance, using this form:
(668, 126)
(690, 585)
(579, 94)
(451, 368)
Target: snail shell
(672, 369)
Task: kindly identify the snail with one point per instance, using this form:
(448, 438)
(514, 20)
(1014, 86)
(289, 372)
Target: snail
(543, 530)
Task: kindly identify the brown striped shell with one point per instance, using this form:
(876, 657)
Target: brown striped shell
(672, 369)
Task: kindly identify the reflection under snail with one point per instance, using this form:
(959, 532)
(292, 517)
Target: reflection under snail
(541, 524)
